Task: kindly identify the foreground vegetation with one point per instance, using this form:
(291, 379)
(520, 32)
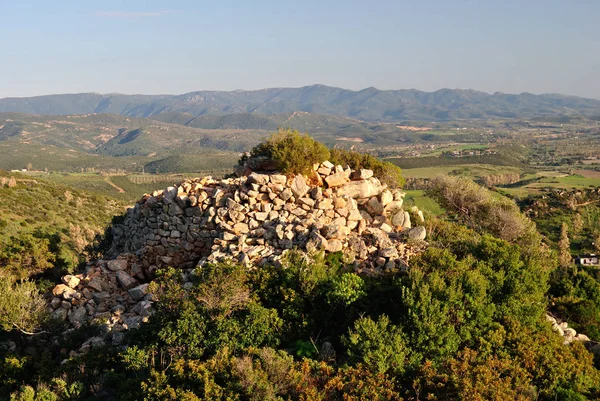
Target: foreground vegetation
(466, 322)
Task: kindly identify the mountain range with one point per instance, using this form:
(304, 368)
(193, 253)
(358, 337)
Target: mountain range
(369, 104)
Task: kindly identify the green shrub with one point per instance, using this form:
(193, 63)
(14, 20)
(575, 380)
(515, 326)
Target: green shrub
(293, 152)
(346, 289)
(387, 172)
(379, 344)
(21, 305)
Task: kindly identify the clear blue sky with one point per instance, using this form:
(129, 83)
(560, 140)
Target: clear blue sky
(176, 46)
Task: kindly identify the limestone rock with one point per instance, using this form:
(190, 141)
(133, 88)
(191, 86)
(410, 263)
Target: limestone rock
(78, 316)
(259, 179)
(362, 174)
(55, 302)
(406, 223)
(60, 314)
(299, 187)
(336, 180)
(71, 281)
(335, 246)
(97, 284)
(62, 290)
(398, 219)
(374, 207)
(125, 280)
(417, 233)
(278, 179)
(139, 292)
(360, 189)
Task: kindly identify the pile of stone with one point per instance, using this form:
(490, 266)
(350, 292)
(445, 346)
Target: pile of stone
(254, 219)
(110, 294)
(568, 333)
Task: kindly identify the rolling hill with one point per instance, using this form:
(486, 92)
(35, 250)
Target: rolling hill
(369, 104)
(173, 142)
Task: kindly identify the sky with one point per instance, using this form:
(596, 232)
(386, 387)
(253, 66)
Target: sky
(173, 47)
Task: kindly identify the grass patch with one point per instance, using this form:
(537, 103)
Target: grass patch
(419, 199)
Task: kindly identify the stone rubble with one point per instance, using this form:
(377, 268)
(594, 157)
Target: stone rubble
(568, 333)
(110, 294)
(254, 219)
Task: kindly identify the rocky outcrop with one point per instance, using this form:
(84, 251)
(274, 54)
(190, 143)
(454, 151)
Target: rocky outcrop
(254, 219)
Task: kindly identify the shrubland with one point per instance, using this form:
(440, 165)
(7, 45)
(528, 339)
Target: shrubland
(47, 228)
(466, 321)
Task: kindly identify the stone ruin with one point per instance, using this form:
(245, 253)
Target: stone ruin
(253, 220)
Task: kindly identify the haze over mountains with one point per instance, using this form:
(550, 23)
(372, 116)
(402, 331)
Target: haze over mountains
(369, 104)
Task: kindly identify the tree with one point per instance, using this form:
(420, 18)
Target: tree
(564, 246)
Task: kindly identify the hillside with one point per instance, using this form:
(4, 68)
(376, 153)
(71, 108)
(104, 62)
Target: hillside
(369, 104)
(34, 239)
(280, 286)
(105, 142)
(360, 310)
(172, 141)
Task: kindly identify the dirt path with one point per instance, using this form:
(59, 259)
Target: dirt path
(112, 184)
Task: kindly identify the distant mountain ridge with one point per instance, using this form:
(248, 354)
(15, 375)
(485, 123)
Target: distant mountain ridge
(369, 104)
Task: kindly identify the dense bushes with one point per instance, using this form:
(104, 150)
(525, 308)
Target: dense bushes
(292, 152)
(465, 322)
(21, 305)
(296, 154)
(481, 209)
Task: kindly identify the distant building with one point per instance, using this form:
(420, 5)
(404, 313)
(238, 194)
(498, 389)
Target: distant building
(587, 260)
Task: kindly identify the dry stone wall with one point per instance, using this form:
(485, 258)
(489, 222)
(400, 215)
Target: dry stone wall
(254, 219)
